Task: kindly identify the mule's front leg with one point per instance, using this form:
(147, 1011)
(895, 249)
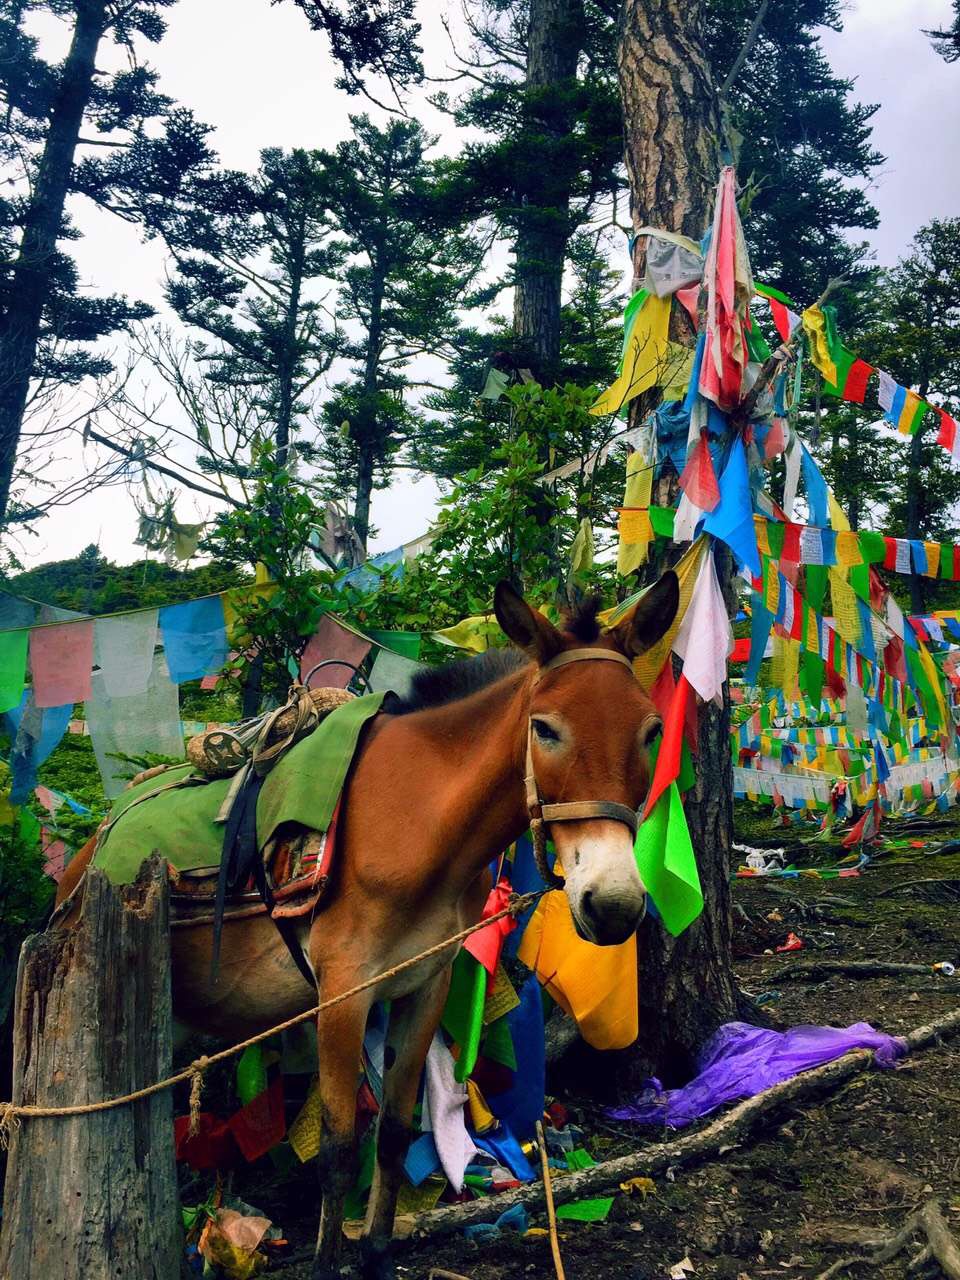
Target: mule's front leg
(413, 1021)
(339, 1044)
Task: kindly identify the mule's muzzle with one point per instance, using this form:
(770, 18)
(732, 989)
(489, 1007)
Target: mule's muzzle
(606, 919)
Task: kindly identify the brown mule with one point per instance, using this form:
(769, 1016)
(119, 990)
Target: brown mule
(437, 791)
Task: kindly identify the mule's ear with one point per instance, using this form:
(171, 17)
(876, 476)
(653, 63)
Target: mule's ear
(534, 633)
(652, 617)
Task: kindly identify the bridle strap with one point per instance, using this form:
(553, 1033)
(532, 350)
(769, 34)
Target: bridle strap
(583, 655)
(574, 810)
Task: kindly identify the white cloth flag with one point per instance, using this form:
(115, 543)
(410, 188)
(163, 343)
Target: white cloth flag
(887, 390)
(811, 546)
(143, 722)
(393, 671)
(443, 1113)
(705, 638)
(123, 650)
(792, 478)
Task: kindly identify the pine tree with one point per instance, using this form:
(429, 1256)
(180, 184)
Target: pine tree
(378, 36)
(408, 274)
(946, 40)
(70, 129)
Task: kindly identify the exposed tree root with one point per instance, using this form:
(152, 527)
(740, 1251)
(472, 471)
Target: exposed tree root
(729, 1130)
(940, 1247)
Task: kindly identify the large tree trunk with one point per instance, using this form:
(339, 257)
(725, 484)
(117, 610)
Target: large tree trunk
(94, 1196)
(29, 288)
(672, 128)
(556, 34)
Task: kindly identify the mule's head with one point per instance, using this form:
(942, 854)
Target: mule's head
(591, 727)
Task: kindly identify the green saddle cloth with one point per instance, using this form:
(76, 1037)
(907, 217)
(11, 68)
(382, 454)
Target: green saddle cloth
(178, 821)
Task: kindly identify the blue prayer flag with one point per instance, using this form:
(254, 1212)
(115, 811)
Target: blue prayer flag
(194, 638)
(731, 520)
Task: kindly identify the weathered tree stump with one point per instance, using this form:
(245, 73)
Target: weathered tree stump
(95, 1196)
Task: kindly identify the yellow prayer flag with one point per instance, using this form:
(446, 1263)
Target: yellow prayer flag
(933, 558)
(597, 986)
(838, 517)
(634, 526)
(581, 552)
(676, 376)
(478, 634)
(632, 552)
(645, 360)
(771, 598)
(815, 327)
(763, 536)
(848, 550)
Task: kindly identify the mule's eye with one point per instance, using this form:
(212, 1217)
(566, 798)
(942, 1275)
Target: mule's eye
(650, 731)
(545, 732)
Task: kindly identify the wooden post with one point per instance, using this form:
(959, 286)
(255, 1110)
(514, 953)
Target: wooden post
(95, 1196)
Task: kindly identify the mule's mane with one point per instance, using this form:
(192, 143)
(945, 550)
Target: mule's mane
(438, 686)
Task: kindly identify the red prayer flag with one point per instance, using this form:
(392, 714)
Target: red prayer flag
(948, 430)
(61, 662)
(668, 758)
(858, 375)
(261, 1124)
(791, 543)
(699, 480)
(741, 650)
(486, 944)
(890, 559)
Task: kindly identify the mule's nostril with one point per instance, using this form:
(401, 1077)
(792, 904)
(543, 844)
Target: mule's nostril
(587, 901)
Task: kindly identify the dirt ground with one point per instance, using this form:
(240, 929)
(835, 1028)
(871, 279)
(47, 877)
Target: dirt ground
(824, 1177)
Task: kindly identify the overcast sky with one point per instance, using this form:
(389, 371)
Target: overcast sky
(257, 74)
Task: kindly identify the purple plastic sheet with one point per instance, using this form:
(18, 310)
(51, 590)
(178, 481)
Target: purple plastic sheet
(740, 1061)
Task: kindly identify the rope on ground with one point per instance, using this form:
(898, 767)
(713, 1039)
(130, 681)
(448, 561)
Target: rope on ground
(11, 1114)
(548, 1192)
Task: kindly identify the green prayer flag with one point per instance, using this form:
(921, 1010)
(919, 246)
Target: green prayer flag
(13, 667)
(406, 643)
(497, 1044)
(629, 316)
(661, 520)
(775, 536)
(463, 1012)
(251, 1074)
(946, 559)
(666, 863)
(873, 548)
(595, 1210)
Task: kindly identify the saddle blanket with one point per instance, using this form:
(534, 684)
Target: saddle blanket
(174, 813)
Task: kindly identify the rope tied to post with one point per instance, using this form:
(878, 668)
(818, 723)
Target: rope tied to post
(11, 1113)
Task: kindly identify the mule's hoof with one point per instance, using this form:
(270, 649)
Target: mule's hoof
(322, 1272)
(376, 1262)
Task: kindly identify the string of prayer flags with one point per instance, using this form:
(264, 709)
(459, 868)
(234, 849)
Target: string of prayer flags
(902, 407)
(194, 638)
(782, 309)
(948, 437)
(61, 663)
(844, 374)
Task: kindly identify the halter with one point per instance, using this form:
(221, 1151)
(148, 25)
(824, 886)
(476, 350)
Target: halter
(574, 810)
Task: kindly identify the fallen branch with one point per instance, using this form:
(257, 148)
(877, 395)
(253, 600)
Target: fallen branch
(728, 1130)
(908, 884)
(816, 969)
(928, 1222)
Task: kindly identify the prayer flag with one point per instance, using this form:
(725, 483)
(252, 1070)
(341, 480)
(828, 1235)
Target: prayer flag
(782, 309)
(705, 638)
(13, 667)
(699, 480)
(344, 649)
(194, 638)
(732, 519)
(123, 649)
(61, 662)
(729, 287)
(667, 865)
(645, 359)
